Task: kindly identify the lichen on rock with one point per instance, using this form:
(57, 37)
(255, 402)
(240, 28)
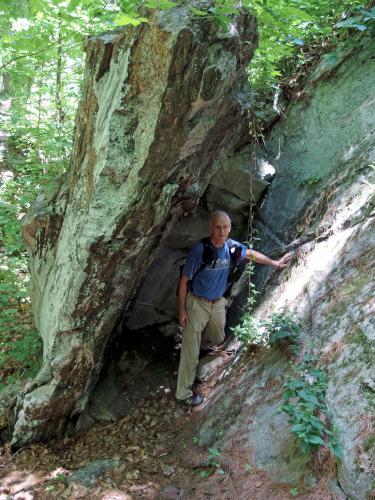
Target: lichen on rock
(164, 106)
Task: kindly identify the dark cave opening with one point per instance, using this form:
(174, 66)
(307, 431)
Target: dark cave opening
(138, 365)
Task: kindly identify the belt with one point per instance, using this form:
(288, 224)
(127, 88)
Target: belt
(206, 300)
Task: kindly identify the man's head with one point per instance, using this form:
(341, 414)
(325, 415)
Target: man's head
(220, 226)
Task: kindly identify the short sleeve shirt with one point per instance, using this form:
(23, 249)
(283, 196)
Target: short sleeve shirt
(211, 282)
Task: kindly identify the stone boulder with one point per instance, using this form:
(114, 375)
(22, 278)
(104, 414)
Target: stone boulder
(164, 107)
(322, 205)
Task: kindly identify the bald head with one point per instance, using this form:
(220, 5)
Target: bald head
(220, 226)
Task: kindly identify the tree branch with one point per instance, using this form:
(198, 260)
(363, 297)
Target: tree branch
(28, 55)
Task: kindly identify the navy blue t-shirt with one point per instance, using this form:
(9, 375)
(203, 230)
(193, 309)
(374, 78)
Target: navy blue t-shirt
(211, 282)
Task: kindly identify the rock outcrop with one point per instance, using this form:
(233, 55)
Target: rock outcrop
(321, 204)
(162, 120)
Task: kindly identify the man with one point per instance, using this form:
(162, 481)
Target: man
(201, 302)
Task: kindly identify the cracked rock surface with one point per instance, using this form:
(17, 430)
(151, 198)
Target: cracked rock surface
(164, 109)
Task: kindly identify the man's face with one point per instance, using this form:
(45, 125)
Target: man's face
(220, 229)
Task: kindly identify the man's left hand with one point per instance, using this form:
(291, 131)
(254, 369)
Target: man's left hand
(284, 261)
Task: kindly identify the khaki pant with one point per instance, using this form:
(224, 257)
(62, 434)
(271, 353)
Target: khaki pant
(205, 329)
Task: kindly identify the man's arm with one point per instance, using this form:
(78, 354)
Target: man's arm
(182, 292)
(263, 259)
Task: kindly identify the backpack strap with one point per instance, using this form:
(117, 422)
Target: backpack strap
(210, 255)
(235, 252)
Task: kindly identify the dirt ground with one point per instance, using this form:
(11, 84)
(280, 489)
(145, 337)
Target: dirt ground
(157, 456)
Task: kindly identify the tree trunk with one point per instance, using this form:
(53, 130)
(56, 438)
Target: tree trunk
(59, 107)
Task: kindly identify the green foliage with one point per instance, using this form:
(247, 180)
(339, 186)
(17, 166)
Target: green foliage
(283, 331)
(204, 474)
(304, 403)
(213, 464)
(360, 20)
(20, 356)
(160, 4)
(248, 330)
(287, 30)
(20, 344)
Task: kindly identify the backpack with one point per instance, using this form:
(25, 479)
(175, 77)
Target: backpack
(210, 256)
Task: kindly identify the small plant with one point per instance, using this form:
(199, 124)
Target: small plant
(248, 330)
(310, 181)
(304, 403)
(283, 332)
(204, 474)
(294, 492)
(20, 343)
(212, 460)
(61, 477)
(212, 463)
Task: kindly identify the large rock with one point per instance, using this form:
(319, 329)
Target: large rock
(164, 107)
(322, 204)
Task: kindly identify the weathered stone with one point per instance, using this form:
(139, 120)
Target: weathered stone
(208, 366)
(164, 106)
(238, 173)
(170, 493)
(273, 443)
(91, 472)
(132, 362)
(319, 137)
(321, 204)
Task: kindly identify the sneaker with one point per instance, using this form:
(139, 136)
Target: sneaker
(194, 400)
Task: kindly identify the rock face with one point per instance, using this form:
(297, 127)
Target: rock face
(164, 111)
(322, 204)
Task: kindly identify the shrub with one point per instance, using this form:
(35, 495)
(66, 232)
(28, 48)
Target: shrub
(283, 332)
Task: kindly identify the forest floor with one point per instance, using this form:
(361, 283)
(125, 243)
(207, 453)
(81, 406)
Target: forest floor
(151, 453)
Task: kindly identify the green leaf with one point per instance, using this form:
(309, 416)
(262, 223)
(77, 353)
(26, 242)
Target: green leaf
(308, 397)
(296, 13)
(298, 427)
(336, 450)
(160, 4)
(198, 12)
(352, 22)
(314, 439)
(125, 19)
(298, 41)
(73, 5)
(368, 14)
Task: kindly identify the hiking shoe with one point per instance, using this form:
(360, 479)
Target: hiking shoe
(194, 400)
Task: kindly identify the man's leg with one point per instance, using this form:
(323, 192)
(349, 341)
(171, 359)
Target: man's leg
(214, 333)
(198, 314)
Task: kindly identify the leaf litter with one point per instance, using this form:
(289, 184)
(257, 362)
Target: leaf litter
(156, 454)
